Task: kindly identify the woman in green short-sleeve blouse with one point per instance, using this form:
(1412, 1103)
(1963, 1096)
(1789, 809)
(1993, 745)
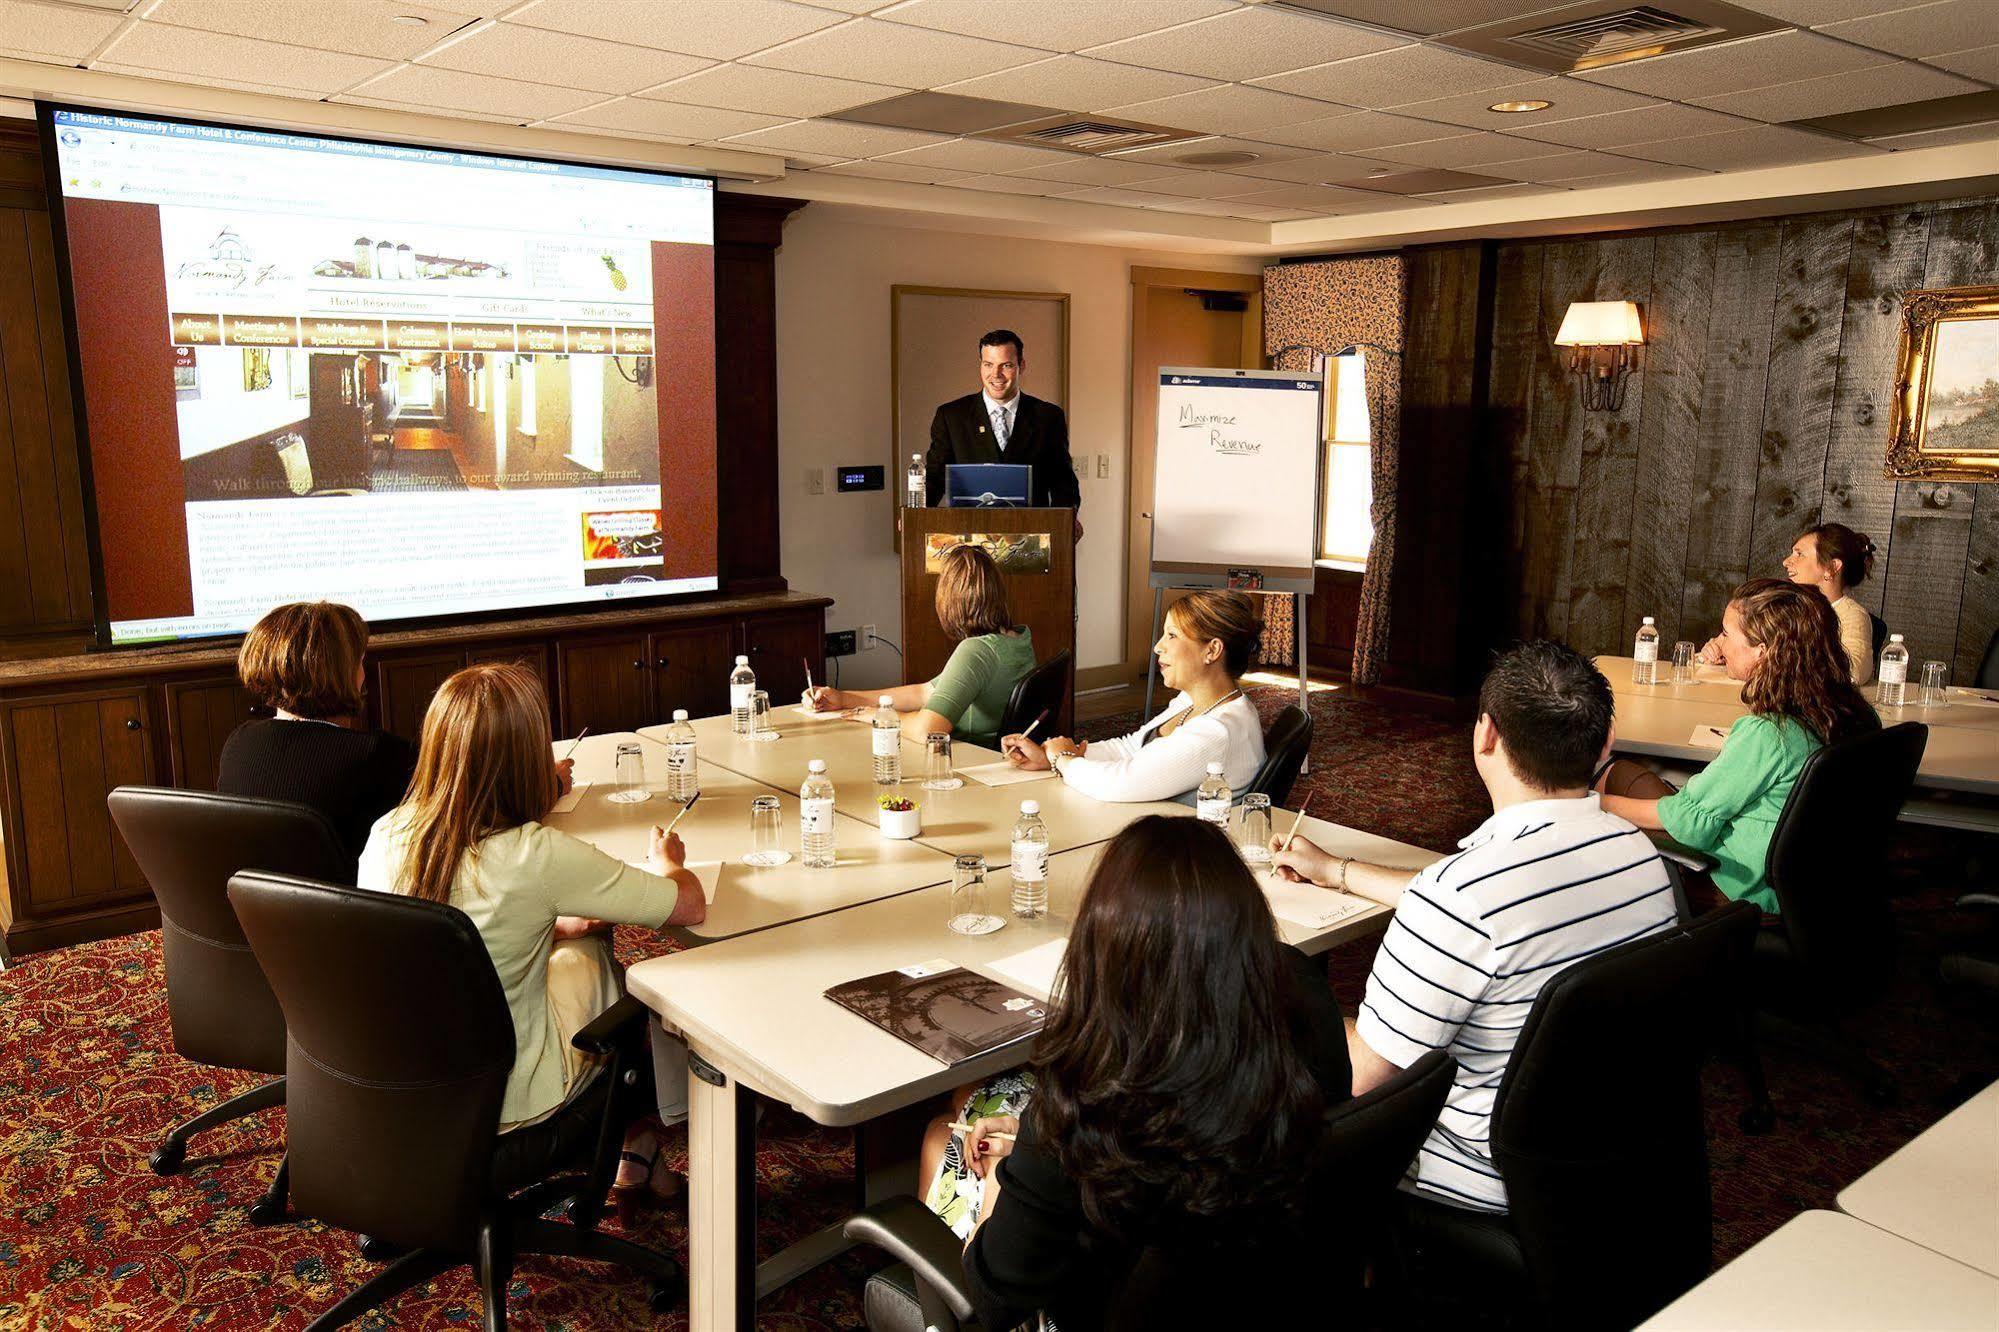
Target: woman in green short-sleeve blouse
(969, 696)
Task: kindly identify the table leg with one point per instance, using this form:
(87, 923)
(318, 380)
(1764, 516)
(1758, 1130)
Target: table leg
(721, 1199)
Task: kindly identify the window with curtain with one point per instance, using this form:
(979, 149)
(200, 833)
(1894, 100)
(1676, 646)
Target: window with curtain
(529, 372)
(586, 412)
(1347, 529)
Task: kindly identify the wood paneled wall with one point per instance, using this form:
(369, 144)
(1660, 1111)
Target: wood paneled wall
(1760, 407)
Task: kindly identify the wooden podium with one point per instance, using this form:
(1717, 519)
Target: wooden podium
(1036, 553)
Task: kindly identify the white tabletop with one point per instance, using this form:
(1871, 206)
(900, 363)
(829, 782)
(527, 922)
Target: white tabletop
(1976, 709)
(1942, 1189)
(717, 835)
(1830, 1273)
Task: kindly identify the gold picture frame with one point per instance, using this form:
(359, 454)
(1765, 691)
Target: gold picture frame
(1945, 425)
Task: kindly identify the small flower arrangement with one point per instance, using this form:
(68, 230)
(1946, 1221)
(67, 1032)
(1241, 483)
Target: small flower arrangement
(895, 804)
(900, 818)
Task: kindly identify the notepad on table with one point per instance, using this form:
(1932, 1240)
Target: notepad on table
(570, 801)
(1308, 904)
(1033, 968)
(1003, 774)
(1708, 737)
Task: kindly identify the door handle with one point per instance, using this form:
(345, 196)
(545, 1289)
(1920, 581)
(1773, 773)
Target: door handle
(132, 724)
(663, 663)
(639, 665)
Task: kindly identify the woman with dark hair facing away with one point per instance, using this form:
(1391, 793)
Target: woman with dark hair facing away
(1781, 640)
(969, 696)
(303, 661)
(1209, 639)
(1832, 557)
(1176, 1099)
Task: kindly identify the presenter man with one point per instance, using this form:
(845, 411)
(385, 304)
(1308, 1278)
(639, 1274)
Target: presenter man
(1000, 424)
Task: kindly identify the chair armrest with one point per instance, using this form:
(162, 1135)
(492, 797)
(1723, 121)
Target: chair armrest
(1989, 901)
(611, 1028)
(908, 1231)
(1682, 855)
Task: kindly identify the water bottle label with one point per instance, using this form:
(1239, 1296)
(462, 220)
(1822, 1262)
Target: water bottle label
(815, 816)
(1212, 811)
(887, 741)
(680, 758)
(1647, 651)
(1030, 861)
(1894, 672)
(739, 695)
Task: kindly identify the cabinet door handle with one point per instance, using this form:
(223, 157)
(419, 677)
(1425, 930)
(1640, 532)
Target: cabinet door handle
(132, 724)
(663, 663)
(639, 665)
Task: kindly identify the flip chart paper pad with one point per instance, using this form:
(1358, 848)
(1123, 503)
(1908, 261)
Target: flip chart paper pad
(1237, 480)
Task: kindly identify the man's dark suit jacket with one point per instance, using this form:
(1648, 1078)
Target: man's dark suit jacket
(961, 432)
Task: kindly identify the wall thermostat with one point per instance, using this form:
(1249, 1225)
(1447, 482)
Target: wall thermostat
(858, 478)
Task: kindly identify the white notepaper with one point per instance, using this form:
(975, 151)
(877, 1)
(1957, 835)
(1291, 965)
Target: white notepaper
(570, 801)
(1307, 904)
(1031, 969)
(1708, 737)
(1003, 774)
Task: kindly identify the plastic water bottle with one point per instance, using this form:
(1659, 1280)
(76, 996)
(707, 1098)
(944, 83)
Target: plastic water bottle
(1212, 801)
(742, 683)
(916, 490)
(1030, 863)
(1893, 674)
(683, 772)
(886, 736)
(815, 817)
(1645, 655)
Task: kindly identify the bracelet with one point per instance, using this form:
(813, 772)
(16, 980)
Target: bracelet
(1345, 863)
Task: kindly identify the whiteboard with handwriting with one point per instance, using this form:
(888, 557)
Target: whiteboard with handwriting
(1235, 495)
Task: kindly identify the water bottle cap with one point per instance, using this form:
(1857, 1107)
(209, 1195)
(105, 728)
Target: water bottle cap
(1030, 806)
(916, 457)
(742, 661)
(1214, 770)
(1646, 620)
(886, 701)
(1894, 638)
(816, 765)
(680, 714)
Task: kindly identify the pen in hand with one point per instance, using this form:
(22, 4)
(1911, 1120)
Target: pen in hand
(570, 753)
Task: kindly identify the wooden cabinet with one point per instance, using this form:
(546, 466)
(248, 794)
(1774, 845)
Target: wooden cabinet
(404, 685)
(779, 646)
(200, 716)
(691, 668)
(534, 656)
(604, 684)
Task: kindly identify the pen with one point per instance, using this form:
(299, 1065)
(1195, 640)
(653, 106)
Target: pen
(1029, 732)
(808, 673)
(997, 1137)
(571, 753)
(692, 801)
(1293, 834)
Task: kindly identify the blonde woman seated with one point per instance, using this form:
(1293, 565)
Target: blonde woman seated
(1209, 640)
(969, 696)
(470, 834)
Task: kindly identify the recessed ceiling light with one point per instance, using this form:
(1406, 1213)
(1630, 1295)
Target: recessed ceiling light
(1515, 108)
(1231, 158)
(411, 20)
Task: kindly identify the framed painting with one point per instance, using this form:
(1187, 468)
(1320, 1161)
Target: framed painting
(1946, 418)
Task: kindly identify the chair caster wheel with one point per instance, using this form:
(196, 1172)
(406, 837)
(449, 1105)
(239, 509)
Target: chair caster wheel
(1757, 1120)
(661, 1297)
(380, 1250)
(167, 1157)
(264, 1212)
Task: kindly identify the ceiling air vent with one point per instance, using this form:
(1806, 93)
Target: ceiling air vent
(1609, 32)
(1095, 136)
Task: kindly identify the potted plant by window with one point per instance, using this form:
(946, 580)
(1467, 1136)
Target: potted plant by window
(900, 818)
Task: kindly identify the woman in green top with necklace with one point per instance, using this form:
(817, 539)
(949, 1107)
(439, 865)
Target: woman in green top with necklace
(969, 696)
(1781, 640)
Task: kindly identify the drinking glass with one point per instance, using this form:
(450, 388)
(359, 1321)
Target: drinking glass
(631, 775)
(937, 772)
(1684, 662)
(1252, 832)
(766, 833)
(1936, 684)
(971, 910)
(760, 727)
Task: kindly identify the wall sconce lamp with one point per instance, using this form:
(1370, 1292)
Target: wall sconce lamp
(1602, 338)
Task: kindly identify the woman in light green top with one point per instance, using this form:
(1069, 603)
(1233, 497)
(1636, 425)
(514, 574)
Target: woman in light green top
(469, 834)
(969, 696)
(1781, 640)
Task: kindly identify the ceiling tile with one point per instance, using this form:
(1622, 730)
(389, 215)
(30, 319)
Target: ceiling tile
(666, 120)
(1201, 184)
(1324, 198)
(1056, 25)
(720, 32)
(1567, 99)
(1521, 190)
(1926, 30)
(1122, 198)
(835, 136)
(1244, 43)
(908, 57)
(1942, 138)
(1078, 83)
(1835, 94)
(1981, 62)
(1175, 154)
(1319, 169)
(1427, 16)
(223, 56)
(44, 31)
(776, 92)
(1095, 171)
(358, 27)
(802, 161)
(1264, 213)
(850, 6)
(1198, 207)
(1387, 78)
(1010, 185)
(1663, 120)
(1753, 62)
(1643, 174)
(451, 90)
(1468, 150)
(1564, 166)
(913, 175)
(504, 51)
(1359, 131)
(424, 108)
(1759, 146)
(978, 156)
(1806, 13)
(1228, 109)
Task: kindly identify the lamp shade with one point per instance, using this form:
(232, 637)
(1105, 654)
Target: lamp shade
(1600, 324)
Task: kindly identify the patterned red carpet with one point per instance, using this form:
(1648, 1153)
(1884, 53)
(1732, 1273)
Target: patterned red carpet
(90, 1238)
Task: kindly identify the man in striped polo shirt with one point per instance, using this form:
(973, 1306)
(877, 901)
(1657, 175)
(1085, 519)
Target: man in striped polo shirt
(1548, 880)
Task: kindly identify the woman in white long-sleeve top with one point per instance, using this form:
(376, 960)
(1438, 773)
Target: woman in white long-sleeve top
(1209, 640)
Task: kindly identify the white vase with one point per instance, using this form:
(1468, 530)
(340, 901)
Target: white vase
(901, 824)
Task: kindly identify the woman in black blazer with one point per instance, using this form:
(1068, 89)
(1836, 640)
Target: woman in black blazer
(1181, 1085)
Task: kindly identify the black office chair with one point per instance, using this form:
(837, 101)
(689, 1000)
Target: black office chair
(1369, 1144)
(222, 1012)
(1040, 693)
(399, 1049)
(1286, 745)
(1880, 628)
(1831, 952)
(1988, 670)
(1597, 1132)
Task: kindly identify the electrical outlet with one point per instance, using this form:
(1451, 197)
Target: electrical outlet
(815, 480)
(840, 643)
(867, 637)
(1103, 466)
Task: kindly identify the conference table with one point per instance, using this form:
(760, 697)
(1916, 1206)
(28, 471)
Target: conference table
(1941, 1190)
(749, 1000)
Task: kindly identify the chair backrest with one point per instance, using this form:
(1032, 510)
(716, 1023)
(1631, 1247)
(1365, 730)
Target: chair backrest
(399, 1048)
(1042, 689)
(1828, 858)
(1597, 1129)
(1285, 746)
(1988, 670)
(187, 844)
(1880, 631)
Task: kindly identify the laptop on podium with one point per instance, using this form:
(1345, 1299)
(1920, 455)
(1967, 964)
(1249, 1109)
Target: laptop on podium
(988, 485)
